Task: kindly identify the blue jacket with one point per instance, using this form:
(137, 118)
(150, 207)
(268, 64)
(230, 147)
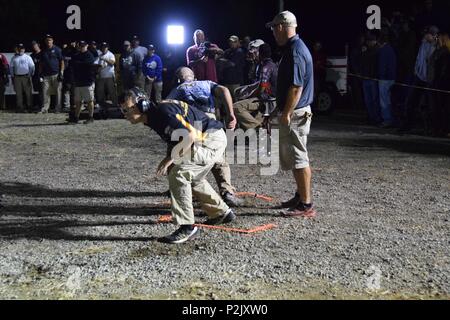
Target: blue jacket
(387, 63)
(153, 67)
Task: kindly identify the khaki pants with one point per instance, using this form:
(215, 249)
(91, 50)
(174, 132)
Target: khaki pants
(106, 87)
(51, 86)
(23, 86)
(243, 111)
(222, 172)
(188, 179)
(158, 86)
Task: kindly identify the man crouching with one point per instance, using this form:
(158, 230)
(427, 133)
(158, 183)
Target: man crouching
(203, 144)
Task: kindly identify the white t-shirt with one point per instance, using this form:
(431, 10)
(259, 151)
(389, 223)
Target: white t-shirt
(107, 70)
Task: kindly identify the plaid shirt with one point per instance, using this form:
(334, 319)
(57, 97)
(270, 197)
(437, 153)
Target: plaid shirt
(267, 72)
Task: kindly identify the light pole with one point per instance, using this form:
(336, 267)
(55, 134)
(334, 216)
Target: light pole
(280, 5)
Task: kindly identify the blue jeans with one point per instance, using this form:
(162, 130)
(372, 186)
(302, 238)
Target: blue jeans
(371, 99)
(385, 87)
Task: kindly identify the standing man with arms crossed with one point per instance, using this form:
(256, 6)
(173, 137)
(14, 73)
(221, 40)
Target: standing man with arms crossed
(295, 92)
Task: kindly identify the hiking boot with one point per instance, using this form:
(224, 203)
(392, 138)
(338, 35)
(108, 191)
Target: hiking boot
(291, 203)
(228, 217)
(89, 121)
(182, 235)
(299, 211)
(232, 201)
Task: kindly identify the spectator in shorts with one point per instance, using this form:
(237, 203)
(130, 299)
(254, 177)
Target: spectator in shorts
(84, 79)
(105, 85)
(22, 70)
(51, 70)
(295, 92)
(152, 67)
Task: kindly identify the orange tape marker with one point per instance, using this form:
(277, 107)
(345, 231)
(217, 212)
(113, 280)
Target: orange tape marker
(254, 195)
(168, 219)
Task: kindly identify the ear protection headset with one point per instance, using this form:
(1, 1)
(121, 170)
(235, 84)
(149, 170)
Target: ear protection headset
(141, 100)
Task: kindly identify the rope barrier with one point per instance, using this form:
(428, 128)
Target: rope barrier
(398, 83)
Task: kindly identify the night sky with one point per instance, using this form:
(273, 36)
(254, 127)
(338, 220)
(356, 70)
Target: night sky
(333, 22)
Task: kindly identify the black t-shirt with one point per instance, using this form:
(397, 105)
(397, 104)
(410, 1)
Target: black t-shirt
(37, 57)
(170, 116)
(82, 69)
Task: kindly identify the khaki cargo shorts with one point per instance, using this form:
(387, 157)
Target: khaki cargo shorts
(293, 141)
(86, 94)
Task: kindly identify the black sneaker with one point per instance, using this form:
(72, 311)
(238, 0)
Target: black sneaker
(89, 121)
(228, 217)
(182, 235)
(291, 203)
(232, 201)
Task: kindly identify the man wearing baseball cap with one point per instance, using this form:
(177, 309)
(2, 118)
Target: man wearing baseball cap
(22, 69)
(84, 78)
(51, 70)
(295, 91)
(233, 72)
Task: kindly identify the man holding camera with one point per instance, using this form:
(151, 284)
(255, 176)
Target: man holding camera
(201, 57)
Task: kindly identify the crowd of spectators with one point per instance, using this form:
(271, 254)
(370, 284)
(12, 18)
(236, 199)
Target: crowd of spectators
(401, 73)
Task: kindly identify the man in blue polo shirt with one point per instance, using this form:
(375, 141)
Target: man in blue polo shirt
(295, 92)
(204, 143)
(51, 70)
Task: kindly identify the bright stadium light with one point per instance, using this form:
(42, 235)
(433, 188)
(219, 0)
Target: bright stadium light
(175, 34)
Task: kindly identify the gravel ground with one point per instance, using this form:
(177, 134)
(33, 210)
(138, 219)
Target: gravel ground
(79, 205)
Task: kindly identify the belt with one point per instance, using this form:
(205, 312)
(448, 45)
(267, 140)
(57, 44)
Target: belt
(21, 75)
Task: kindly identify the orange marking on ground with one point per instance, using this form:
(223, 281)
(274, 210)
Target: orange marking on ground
(249, 231)
(255, 195)
(168, 219)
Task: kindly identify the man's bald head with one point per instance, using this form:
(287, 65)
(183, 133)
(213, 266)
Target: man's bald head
(185, 74)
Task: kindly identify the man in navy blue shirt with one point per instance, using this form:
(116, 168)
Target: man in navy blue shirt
(51, 70)
(203, 144)
(295, 92)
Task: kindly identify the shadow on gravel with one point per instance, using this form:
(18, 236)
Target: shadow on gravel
(74, 209)
(37, 191)
(34, 125)
(52, 230)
